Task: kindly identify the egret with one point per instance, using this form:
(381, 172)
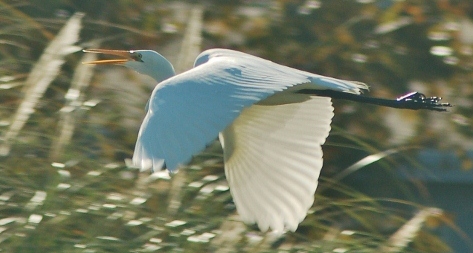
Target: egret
(271, 121)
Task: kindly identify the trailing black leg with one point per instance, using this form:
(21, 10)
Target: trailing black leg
(413, 100)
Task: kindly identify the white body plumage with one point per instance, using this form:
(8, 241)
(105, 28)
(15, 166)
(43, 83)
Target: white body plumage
(271, 135)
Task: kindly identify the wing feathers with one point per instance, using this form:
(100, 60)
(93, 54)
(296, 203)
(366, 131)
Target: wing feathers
(273, 159)
(271, 136)
(187, 111)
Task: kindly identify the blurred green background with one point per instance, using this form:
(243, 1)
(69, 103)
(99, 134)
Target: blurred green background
(393, 180)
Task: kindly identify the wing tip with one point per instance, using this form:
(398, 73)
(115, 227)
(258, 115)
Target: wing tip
(144, 162)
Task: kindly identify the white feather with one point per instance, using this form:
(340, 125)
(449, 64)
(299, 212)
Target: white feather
(273, 159)
(187, 111)
(271, 134)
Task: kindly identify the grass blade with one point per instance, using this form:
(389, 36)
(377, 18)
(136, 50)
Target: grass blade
(406, 234)
(41, 76)
(74, 98)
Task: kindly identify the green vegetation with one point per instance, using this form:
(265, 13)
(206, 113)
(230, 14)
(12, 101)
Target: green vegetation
(64, 185)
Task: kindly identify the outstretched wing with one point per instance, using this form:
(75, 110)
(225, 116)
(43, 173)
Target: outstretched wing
(187, 111)
(273, 158)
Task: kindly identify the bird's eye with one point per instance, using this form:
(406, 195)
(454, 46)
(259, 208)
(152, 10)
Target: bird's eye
(137, 56)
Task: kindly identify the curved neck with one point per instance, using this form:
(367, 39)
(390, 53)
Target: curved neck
(162, 71)
(160, 76)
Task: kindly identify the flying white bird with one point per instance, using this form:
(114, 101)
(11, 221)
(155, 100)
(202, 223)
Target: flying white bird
(271, 121)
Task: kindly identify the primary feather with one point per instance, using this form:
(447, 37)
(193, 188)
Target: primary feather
(273, 159)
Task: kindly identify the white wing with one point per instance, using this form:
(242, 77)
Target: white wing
(273, 159)
(187, 111)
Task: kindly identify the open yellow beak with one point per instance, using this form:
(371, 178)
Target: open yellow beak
(126, 56)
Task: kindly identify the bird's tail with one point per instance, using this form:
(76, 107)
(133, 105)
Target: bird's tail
(335, 84)
(360, 87)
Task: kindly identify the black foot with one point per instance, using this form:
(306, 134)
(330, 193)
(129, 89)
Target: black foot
(416, 101)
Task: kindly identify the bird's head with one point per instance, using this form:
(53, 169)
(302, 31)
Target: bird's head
(147, 62)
